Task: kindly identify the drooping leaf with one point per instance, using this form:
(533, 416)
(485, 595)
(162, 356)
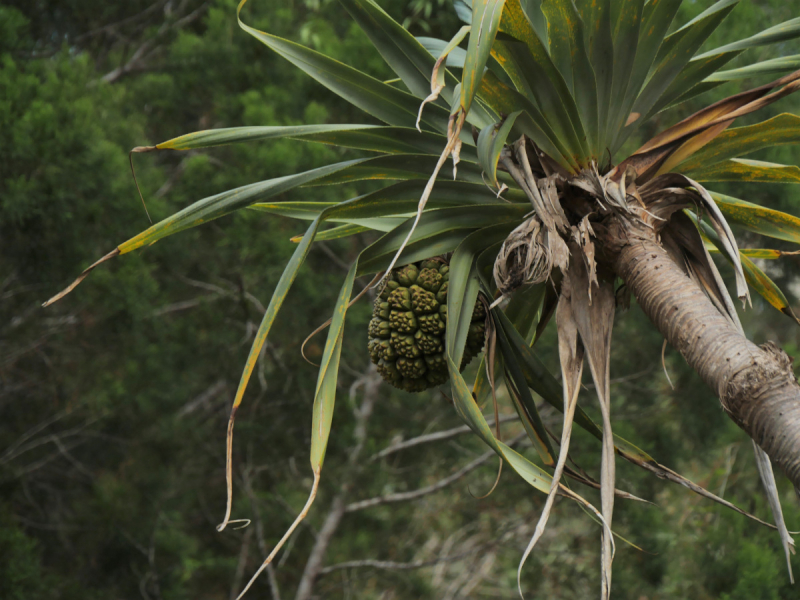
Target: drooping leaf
(322, 411)
(275, 304)
(571, 353)
(771, 489)
(766, 288)
(593, 307)
(439, 71)
(524, 309)
(325, 395)
(541, 381)
(470, 412)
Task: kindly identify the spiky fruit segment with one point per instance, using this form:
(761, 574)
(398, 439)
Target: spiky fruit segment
(409, 320)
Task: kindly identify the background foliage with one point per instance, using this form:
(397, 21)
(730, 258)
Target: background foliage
(113, 402)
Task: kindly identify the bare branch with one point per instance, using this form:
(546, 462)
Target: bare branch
(203, 398)
(434, 437)
(149, 46)
(399, 566)
(431, 489)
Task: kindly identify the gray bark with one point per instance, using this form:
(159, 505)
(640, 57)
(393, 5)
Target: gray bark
(755, 384)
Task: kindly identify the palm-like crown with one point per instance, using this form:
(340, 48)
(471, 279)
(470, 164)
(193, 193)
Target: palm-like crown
(540, 208)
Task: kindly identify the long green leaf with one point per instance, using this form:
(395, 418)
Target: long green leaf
(378, 99)
(626, 41)
(234, 135)
(343, 231)
(490, 144)
(694, 73)
(524, 308)
(216, 206)
(392, 140)
(765, 287)
(656, 20)
(531, 122)
(464, 284)
(397, 199)
(455, 58)
(599, 44)
(705, 67)
(325, 395)
(523, 400)
(486, 16)
(759, 219)
(399, 167)
(435, 222)
(423, 249)
(743, 170)
(569, 53)
(773, 66)
(545, 84)
(777, 66)
(401, 51)
(275, 303)
(788, 30)
(675, 53)
(470, 412)
(756, 278)
(777, 131)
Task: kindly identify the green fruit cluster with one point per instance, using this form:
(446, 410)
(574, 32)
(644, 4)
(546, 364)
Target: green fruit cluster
(409, 320)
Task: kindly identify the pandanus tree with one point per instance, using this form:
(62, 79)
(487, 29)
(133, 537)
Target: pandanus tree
(541, 217)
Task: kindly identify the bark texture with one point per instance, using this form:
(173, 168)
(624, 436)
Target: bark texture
(755, 384)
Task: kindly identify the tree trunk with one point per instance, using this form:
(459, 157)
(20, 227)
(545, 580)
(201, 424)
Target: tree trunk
(756, 385)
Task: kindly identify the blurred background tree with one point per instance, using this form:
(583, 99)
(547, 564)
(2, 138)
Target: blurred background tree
(114, 402)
